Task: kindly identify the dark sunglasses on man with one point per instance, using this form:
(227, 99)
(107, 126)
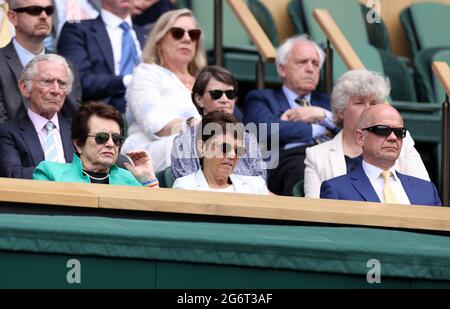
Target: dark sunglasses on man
(178, 33)
(384, 131)
(35, 10)
(102, 138)
(217, 94)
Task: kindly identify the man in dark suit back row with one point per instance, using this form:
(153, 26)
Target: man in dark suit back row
(32, 20)
(303, 115)
(105, 51)
(380, 133)
(43, 134)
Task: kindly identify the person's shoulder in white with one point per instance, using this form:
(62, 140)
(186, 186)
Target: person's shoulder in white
(242, 184)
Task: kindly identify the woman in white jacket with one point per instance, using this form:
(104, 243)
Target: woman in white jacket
(353, 92)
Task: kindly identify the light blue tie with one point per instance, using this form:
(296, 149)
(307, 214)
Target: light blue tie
(129, 57)
(50, 151)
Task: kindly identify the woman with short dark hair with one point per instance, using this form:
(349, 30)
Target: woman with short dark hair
(97, 134)
(220, 147)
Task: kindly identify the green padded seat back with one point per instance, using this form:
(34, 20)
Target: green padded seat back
(295, 13)
(298, 189)
(443, 55)
(265, 20)
(233, 33)
(431, 23)
(373, 59)
(346, 13)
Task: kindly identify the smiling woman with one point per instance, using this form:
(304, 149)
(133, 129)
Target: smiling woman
(97, 133)
(219, 143)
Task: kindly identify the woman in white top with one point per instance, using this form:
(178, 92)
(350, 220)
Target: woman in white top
(219, 143)
(159, 103)
(353, 92)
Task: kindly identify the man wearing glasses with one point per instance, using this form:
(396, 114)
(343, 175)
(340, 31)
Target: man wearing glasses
(32, 21)
(105, 50)
(380, 133)
(44, 134)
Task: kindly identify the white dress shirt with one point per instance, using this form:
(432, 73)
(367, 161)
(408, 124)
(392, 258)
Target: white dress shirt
(112, 23)
(39, 123)
(376, 179)
(25, 56)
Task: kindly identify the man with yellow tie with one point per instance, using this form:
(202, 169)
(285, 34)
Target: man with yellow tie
(380, 133)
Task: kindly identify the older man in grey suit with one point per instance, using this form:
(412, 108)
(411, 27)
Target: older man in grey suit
(32, 20)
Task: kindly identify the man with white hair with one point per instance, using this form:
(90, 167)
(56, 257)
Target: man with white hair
(303, 115)
(32, 21)
(44, 134)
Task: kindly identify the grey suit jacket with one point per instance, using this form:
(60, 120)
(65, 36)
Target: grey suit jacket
(12, 105)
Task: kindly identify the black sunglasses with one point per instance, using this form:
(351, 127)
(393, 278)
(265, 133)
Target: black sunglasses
(177, 33)
(238, 150)
(217, 94)
(103, 137)
(35, 10)
(385, 131)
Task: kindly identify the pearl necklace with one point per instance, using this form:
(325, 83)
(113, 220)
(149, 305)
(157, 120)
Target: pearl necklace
(96, 178)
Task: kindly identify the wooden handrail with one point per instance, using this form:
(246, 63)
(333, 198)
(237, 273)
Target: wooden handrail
(224, 204)
(254, 30)
(442, 71)
(337, 38)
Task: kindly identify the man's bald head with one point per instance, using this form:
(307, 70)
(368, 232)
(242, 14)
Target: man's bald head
(375, 113)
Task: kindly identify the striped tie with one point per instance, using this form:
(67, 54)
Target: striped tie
(50, 151)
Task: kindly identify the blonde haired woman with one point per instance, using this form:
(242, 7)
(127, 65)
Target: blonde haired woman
(159, 103)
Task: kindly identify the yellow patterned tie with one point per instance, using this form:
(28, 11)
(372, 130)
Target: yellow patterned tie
(302, 101)
(389, 196)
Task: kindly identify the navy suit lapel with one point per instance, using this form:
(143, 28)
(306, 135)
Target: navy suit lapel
(408, 186)
(31, 139)
(101, 37)
(66, 138)
(140, 35)
(281, 98)
(362, 184)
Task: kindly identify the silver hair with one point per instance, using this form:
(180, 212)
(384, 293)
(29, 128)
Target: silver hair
(357, 83)
(284, 49)
(31, 69)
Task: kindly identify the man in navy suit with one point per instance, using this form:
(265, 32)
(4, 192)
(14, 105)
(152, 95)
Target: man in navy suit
(302, 113)
(380, 133)
(44, 84)
(96, 47)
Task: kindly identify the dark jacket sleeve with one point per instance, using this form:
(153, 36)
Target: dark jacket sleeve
(328, 191)
(11, 165)
(261, 106)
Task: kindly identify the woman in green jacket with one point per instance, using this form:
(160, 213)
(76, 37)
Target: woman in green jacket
(97, 134)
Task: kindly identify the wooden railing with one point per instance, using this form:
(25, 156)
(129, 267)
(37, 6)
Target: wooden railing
(224, 204)
(257, 35)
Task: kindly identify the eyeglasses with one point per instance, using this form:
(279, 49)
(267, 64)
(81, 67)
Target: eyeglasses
(217, 94)
(238, 150)
(47, 82)
(35, 10)
(385, 131)
(178, 33)
(102, 138)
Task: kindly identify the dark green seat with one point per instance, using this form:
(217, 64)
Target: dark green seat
(165, 178)
(298, 189)
(355, 28)
(239, 54)
(265, 20)
(426, 25)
